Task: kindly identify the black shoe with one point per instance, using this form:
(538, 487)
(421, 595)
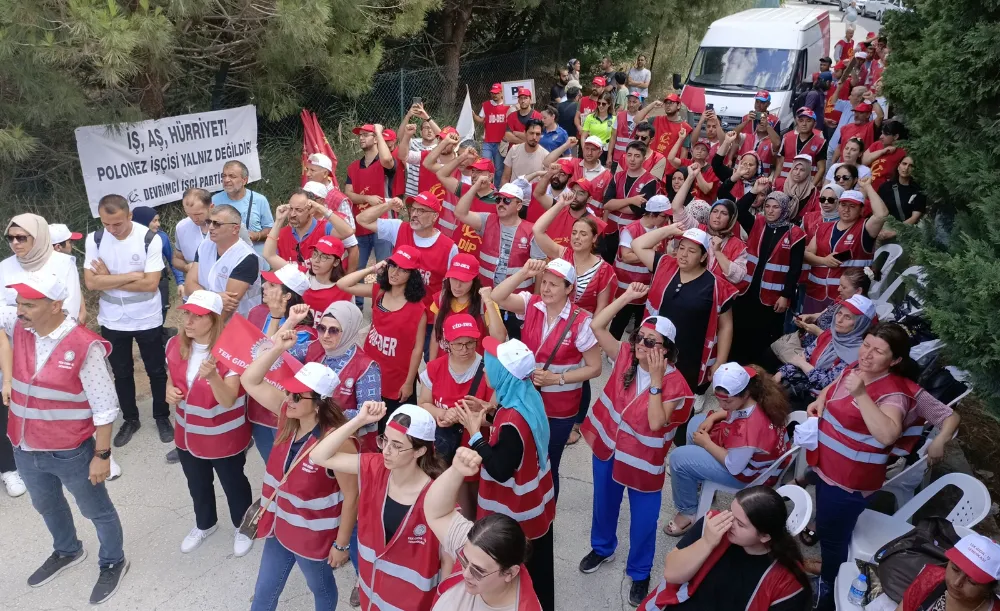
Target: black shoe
(128, 428)
(172, 457)
(637, 593)
(165, 429)
(593, 561)
(54, 565)
(108, 582)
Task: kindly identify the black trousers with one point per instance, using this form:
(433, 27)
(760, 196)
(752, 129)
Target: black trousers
(632, 311)
(390, 406)
(541, 568)
(200, 475)
(151, 349)
(6, 450)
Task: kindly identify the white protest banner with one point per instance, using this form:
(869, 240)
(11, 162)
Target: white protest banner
(154, 162)
(510, 91)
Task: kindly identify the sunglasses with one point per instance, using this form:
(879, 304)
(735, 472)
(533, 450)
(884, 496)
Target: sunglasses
(298, 396)
(642, 138)
(20, 239)
(325, 330)
(842, 177)
(217, 224)
(474, 571)
(603, 104)
(828, 200)
(505, 200)
(648, 342)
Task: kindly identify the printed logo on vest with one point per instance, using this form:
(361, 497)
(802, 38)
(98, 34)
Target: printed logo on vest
(349, 383)
(224, 271)
(135, 258)
(309, 466)
(418, 537)
(849, 238)
(69, 356)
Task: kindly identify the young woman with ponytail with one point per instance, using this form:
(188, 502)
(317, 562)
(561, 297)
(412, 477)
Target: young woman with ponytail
(733, 445)
(743, 558)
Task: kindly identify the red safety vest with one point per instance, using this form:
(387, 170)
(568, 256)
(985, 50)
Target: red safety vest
(433, 259)
(346, 392)
(368, 180)
(561, 401)
(667, 132)
(724, 291)
(848, 454)
(305, 514)
(287, 243)
(446, 223)
(391, 340)
(465, 237)
(865, 131)
(489, 251)
(403, 573)
(763, 148)
(656, 164)
(627, 273)
(885, 166)
(398, 188)
(823, 282)
(527, 600)
(789, 147)
(617, 426)
(772, 282)
(562, 226)
(749, 128)
(445, 391)
(483, 328)
(494, 121)
(776, 584)
(623, 217)
(750, 427)
(604, 279)
(319, 300)
(257, 413)
(529, 496)
(202, 426)
(49, 410)
(623, 137)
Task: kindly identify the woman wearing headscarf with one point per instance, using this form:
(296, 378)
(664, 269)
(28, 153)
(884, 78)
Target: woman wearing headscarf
(829, 198)
(968, 581)
(775, 248)
(799, 186)
(28, 237)
(736, 182)
(144, 215)
(573, 68)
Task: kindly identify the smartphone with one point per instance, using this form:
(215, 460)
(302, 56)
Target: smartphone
(709, 106)
(842, 256)
(418, 100)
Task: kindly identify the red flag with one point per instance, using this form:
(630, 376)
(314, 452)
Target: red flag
(314, 141)
(694, 98)
(241, 343)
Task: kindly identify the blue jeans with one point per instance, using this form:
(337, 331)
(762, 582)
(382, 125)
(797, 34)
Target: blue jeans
(263, 438)
(837, 512)
(559, 430)
(644, 510)
(690, 465)
(366, 245)
(45, 474)
(276, 563)
(491, 151)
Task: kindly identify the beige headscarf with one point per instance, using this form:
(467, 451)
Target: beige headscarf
(350, 319)
(37, 228)
(799, 192)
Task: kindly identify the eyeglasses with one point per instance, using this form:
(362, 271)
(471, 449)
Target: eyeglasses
(842, 177)
(20, 239)
(217, 224)
(414, 211)
(642, 138)
(648, 342)
(603, 104)
(325, 330)
(318, 256)
(506, 201)
(828, 200)
(474, 571)
(298, 396)
(464, 345)
(383, 443)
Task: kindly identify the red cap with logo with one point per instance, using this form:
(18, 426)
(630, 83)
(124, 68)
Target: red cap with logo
(447, 130)
(673, 97)
(405, 257)
(463, 267)
(367, 127)
(600, 81)
(329, 245)
(460, 325)
(425, 199)
(496, 88)
(483, 164)
(523, 91)
(388, 135)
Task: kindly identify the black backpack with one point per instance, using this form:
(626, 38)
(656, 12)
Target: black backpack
(99, 235)
(900, 560)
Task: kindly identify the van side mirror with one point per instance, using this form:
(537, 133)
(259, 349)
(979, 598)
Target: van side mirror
(677, 82)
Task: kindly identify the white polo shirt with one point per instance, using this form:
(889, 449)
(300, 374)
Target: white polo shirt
(122, 310)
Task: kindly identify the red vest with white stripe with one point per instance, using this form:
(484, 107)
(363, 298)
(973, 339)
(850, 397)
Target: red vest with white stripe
(617, 426)
(625, 216)
(763, 148)
(811, 148)
(656, 164)
(776, 584)
(823, 282)
(401, 574)
(202, 426)
(526, 598)
(772, 282)
(599, 185)
(299, 251)
(49, 410)
(489, 251)
(733, 247)
(750, 427)
(724, 291)
(345, 394)
(623, 137)
(848, 454)
(913, 432)
(529, 496)
(628, 273)
(465, 237)
(562, 226)
(305, 514)
(257, 413)
(433, 259)
(368, 180)
(561, 401)
(603, 279)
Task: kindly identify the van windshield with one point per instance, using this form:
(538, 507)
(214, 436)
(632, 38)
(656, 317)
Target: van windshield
(743, 68)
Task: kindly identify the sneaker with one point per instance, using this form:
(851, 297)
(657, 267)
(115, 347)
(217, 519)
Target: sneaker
(637, 593)
(54, 565)
(13, 483)
(242, 544)
(355, 596)
(593, 561)
(195, 538)
(172, 457)
(128, 428)
(699, 403)
(108, 582)
(116, 470)
(165, 429)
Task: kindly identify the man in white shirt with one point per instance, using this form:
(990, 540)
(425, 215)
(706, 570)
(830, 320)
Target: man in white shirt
(226, 265)
(60, 397)
(191, 231)
(123, 263)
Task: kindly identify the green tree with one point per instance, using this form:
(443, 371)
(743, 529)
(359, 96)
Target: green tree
(942, 78)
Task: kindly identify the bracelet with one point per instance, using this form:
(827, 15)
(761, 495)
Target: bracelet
(337, 547)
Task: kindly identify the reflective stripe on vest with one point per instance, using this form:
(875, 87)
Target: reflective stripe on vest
(325, 502)
(638, 463)
(521, 516)
(201, 412)
(519, 489)
(650, 442)
(316, 525)
(209, 430)
(49, 415)
(396, 570)
(136, 298)
(47, 393)
(868, 440)
(850, 454)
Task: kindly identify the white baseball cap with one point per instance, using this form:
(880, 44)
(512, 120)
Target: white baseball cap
(698, 237)
(322, 161)
(594, 140)
(978, 557)
(316, 377)
(316, 188)
(40, 285)
(853, 196)
(733, 378)
(290, 276)
(422, 425)
(202, 302)
(861, 54)
(511, 190)
(562, 268)
(804, 157)
(861, 305)
(513, 355)
(59, 233)
(662, 325)
(658, 203)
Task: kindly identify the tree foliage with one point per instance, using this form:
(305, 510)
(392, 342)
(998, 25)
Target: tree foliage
(942, 77)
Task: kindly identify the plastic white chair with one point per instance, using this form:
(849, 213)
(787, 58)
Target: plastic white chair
(904, 484)
(875, 529)
(708, 489)
(799, 417)
(802, 507)
(893, 252)
(887, 293)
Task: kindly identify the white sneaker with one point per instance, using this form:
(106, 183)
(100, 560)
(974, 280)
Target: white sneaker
(195, 538)
(13, 483)
(116, 470)
(699, 403)
(241, 544)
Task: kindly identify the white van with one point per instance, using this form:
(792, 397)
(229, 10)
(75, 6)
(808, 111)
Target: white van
(776, 49)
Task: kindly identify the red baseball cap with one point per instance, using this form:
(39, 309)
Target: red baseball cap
(763, 95)
(447, 130)
(483, 164)
(567, 165)
(583, 183)
(388, 135)
(406, 257)
(600, 81)
(460, 325)
(329, 245)
(863, 107)
(367, 127)
(496, 88)
(425, 199)
(839, 65)
(673, 97)
(463, 267)
(523, 91)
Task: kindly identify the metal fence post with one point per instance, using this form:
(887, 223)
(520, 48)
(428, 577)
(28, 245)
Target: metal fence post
(402, 92)
(524, 74)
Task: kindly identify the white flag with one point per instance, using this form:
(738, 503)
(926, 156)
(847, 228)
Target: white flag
(466, 126)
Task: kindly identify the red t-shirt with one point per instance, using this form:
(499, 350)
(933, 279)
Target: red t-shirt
(865, 131)
(514, 123)
(667, 132)
(494, 121)
(884, 168)
(391, 340)
(587, 106)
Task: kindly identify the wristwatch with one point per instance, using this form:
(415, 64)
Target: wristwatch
(654, 391)
(103, 454)
(562, 380)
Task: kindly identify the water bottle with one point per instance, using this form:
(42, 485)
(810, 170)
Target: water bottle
(857, 594)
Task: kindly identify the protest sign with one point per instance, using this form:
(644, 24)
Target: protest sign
(510, 91)
(154, 162)
(241, 343)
